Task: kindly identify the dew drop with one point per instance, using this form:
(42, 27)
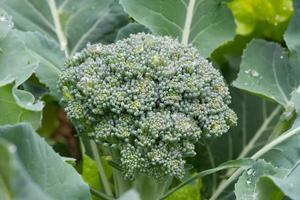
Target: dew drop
(281, 57)
(298, 90)
(248, 182)
(3, 19)
(254, 73)
(249, 171)
(12, 148)
(247, 71)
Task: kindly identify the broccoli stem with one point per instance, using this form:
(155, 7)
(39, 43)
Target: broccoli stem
(148, 187)
(101, 172)
(121, 185)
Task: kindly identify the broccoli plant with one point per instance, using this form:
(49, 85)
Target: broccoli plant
(148, 100)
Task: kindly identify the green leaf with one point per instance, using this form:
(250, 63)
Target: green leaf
(292, 40)
(50, 58)
(19, 106)
(282, 154)
(4, 193)
(90, 173)
(6, 24)
(17, 63)
(289, 185)
(245, 188)
(265, 71)
(14, 178)
(267, 190)
(46, 168)
(71, 23)
(188, 192)
(206, 24)
(250, 14)
(296, 99)
(34, 53)
(51, 117)
(131, 28)
(286, 153)
(290, 36)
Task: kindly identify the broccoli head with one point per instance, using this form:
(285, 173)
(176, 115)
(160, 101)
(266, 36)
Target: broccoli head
(149, 97)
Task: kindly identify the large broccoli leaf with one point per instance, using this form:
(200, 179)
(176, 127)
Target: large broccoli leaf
(265, 71)
(206, 24)
(268, 70)
(17, 65)
(19, 106)
(71, 23)
(279, 176)
(36, 166)
(272, 186)
(246, 189)
(50, 58)
(15, 183)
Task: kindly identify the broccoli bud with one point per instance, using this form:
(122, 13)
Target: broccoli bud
(149, 97)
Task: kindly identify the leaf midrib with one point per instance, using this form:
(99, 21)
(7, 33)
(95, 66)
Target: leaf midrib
(276, 79)
(188, 22)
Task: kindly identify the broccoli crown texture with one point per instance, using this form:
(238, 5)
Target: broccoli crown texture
(149, 97)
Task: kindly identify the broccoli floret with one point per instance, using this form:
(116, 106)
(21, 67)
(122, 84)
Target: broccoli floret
(149, 97)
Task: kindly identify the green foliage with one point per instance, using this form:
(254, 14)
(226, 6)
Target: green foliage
(36, 170)
(246, 188)
(279, 71)
(206, 24)
(50, 58)
(15, 175)
(89, 173)
(268, 18)
(265, 71)
(72, 24)
(189, 192)
(50, 121)
(279, 187)
(19, 106)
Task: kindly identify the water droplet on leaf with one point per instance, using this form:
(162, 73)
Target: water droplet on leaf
(254, 73)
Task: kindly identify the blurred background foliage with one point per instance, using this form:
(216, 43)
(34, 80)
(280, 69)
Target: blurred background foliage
(266, 18)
